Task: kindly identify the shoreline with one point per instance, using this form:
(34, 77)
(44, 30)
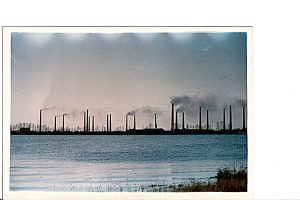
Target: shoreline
(135, 132)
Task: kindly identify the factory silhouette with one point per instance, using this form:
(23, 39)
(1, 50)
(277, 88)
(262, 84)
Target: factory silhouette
(89, 125)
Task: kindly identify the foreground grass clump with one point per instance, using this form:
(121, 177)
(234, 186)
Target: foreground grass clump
(227, 181)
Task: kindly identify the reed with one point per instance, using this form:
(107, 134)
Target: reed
(228, 180)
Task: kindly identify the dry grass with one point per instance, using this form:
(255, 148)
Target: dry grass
(227, 181)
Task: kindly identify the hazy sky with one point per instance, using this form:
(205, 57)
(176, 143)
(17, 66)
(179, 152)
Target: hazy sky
(121, 72)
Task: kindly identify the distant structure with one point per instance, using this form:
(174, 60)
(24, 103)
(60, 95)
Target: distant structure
(84, 126)
(230, 118)
(89, 124)
(176, 122)
(207, 120)
(93, 124)
(40, 121)
(87, 120)
(200, 120)
(63, 123)
(107, 125)
(134, 123)
(109, 122)
(224, 121)
(55, 123)
(126, 123)
(24, 130)
(182, 120)
(155, 122)
(172, 118)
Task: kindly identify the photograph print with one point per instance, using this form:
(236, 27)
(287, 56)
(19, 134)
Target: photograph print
(128, 109)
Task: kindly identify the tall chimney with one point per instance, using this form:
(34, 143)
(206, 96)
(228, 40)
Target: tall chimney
(183, 121)
(83, 121)
(93, 126)
(172, 118)
(63, 124)
(40, 121)
(200, 120)
(55, 123)
(155, 123)
(176, 122)
(126, 125)
(244, 120)
(109, 122)
(224, 120)
(134, 125)
(89, 124)
(107, 129)
(230, 118)
(207, 120)
(87, 120)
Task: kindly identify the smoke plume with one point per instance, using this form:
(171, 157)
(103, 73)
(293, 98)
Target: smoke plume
(51, 108)
(146, 110)
(75, 113)
(190, 104)
(240, 102)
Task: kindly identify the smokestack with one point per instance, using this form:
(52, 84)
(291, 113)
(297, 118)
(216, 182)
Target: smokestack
(93, 126)
(134, 125)
(109, 122)
(87, 119)
(183, 121)
(89, 125)
(230, 118)
(244, 120)
(200, 120)
(172, 118)
(63, 124)
(40, 121)
(155, 123)
(83, 121)
(126, 123)
(55, 124)
(207, 120)
(176, 122)
(107, 129)
(224, 121)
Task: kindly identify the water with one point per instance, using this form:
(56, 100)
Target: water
(119, 162)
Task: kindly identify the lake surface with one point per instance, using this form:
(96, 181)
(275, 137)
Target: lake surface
(101, 163)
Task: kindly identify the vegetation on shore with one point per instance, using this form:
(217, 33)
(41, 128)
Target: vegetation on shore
(227, 180)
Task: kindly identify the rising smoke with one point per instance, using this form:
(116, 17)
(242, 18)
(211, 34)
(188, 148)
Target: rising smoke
(240, 102)
(54, 108)
(190, 104)
(146, 110)
(71, 112)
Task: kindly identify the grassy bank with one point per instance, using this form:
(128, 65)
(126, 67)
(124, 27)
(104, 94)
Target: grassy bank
(227, 180)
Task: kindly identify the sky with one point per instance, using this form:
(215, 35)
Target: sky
(134, 73)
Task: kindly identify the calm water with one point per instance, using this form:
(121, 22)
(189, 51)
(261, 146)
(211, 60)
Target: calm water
(120, 163)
